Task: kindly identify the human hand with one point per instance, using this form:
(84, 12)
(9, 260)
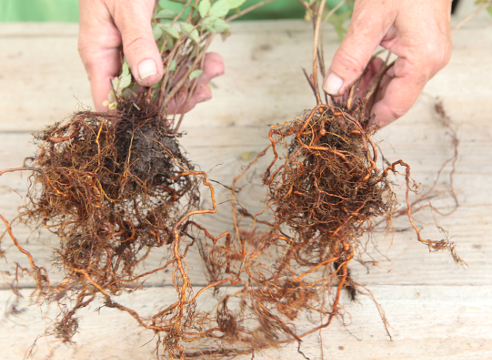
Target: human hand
(105, 26)
(417, 31)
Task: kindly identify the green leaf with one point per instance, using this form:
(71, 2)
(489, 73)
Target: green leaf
(220, 25)
(125, 82)
(171, 31)
(195, 74)
(219, 8)
(234, 4)
(125, 69)
(111, 96)
(112, 106)
(185, 27)
(179, 1)
(208, 25)
(489, 9)
(203, 8)
(169, 44)
(189, 29)
(194, 36)
(214, 24)
(166, 14)
(116, 83)
(157, 31)
(172, 67)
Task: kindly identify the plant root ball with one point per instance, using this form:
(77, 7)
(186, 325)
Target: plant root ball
(111, 187)
(329, 186)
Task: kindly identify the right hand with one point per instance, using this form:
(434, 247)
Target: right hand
(417, 31)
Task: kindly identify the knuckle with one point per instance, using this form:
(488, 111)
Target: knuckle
(137, 43)
(396, 112)
(390, 113)
(437, 55)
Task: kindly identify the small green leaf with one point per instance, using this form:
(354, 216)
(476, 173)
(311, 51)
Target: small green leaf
(195, 74)
(111, 97)
(220, 25)
(179, 1)
(172, 67)
(189, 29)
(489, 9)
(219, 8)
(208, 24)
(166, 14)
(194, 36)
(214, 24)
(125, 69)
(125, 82)
(157, 31)
(112, 106)
(234, 4)
(171, 31)
(185, 27)
(169, 44)
(116, 83)
(203, 8)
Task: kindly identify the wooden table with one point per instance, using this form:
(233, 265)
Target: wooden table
(436, 309)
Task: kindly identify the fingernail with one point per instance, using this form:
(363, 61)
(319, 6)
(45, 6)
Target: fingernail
(147, 68)
(333, 84)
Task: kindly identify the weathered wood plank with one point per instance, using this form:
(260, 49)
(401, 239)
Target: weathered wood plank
(425, 147)
(427, 322)
(264, 83)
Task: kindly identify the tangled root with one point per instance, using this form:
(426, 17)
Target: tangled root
(323, 197)
(111, 188)
(115, 187)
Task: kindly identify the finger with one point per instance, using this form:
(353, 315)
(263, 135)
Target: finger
(400, 89)
(133, 19)
(364, 35)
(98, 45)
(402, 84)
(177, 106)
(370, 74)
(213, 66)
(104, 66)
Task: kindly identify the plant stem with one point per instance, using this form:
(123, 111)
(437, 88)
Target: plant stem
(319, 15)
(471, 16)
(251, 8)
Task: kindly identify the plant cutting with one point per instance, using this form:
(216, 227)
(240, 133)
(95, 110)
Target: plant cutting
(116, 186)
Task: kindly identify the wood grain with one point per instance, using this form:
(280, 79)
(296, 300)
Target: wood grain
(436, 309)
(427, 322)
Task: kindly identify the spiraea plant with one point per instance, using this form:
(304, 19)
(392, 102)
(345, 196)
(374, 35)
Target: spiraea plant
(116, 186)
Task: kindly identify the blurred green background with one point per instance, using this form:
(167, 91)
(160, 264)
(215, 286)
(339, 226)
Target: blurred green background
(68, 11)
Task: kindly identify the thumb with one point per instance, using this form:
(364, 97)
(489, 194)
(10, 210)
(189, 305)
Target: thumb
(363, 37)
(133, 19)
